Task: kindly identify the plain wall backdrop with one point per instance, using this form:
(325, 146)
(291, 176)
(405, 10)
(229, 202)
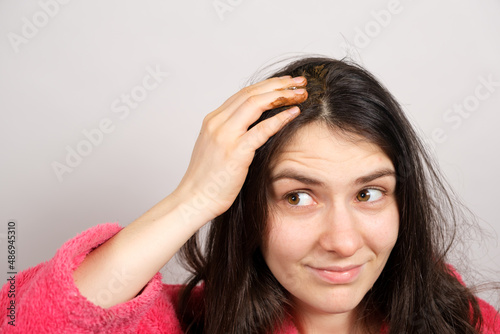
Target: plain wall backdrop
(125, 85)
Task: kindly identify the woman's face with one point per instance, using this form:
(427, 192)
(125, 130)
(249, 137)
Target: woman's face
(334, 219)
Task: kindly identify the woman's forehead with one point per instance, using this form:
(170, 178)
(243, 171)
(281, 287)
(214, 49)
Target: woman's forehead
(318, 143)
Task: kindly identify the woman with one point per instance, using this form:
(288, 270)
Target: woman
(327, 217)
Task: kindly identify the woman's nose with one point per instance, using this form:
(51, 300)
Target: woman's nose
(341, 233)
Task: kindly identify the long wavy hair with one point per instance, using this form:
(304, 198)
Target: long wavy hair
(417, 292)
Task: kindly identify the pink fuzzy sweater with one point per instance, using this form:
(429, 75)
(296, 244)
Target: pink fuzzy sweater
(48, 301)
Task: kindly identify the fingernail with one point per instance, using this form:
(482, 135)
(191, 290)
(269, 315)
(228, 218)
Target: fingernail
(299, 91)
(298, 79)
(293, 111)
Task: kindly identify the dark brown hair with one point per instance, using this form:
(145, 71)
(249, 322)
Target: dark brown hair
(416, 292)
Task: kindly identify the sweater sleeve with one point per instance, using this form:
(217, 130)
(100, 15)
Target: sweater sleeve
(47, 300)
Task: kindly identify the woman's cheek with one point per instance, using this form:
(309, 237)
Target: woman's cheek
(285, 249)
(292, 231)
(381, 230)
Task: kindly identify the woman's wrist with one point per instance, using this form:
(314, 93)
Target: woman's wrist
(186, 210)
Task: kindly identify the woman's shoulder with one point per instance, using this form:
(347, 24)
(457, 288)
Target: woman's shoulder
(491, 316)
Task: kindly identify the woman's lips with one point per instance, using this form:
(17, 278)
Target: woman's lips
(337, 275)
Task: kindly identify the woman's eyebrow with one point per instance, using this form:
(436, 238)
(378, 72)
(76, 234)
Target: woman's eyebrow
(375, 175)
(294, 175)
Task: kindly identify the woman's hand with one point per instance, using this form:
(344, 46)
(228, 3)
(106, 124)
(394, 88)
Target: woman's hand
(225, 147)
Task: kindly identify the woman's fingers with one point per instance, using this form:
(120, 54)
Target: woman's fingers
(253, 107)
(273, 81)
(279, 84)
(259, 134)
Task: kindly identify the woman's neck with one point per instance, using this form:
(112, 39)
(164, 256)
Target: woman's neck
(327, 323)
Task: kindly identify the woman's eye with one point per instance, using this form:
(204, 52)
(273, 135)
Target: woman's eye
(299, 199)
(369, 195)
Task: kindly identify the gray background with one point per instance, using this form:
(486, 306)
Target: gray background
(67, 73)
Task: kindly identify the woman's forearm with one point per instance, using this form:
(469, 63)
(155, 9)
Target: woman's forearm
(119, 269)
